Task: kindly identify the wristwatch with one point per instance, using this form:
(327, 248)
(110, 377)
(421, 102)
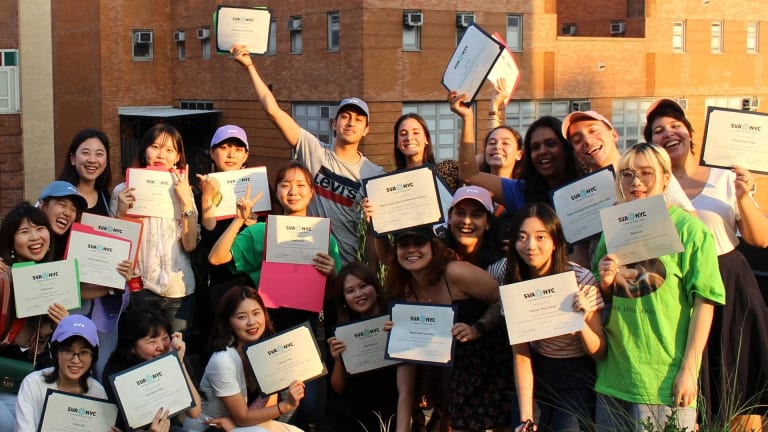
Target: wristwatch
(188, 213)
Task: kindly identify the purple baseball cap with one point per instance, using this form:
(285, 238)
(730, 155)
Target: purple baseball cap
(229, 131)
(76, 325)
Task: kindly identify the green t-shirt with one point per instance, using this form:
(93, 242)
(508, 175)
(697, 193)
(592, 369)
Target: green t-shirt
(248, 252)
(647, 327)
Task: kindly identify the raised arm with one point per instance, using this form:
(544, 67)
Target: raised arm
(220, 252)
(284, 122)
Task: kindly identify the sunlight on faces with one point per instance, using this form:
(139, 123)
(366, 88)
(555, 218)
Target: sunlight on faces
(468, 221)
(248, 321)
(294, 192)
(229, 155)
(90, 159)
(642, 177)
(502, 149)
(31, 242)
(673, 136)
(413, 252)
(162, 152)
(594, 143)
(360, 296)
(535, 246)
(61, 213)
(412, 141)
(350, 126)
(156, 343)
(547, 152)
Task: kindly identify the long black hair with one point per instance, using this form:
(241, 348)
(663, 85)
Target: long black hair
(149, 138)
(517, 269)
(69, 173)
(135, 324)
(536, 186)
(57, 347)
(221, 336)
(11, 222)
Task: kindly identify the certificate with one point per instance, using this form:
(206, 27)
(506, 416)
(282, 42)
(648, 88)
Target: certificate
(67, 412)
(505, 67)
(578, 204)
(421, 333)
(98, 255)
(37, 286)
(242, 25)
(143, 389)
(232, 185)
(735, 137)
(281, 359)
(471, 62)
(128, 229)
(154, 193)
(411, 192)
(640, 230)
(541, 308)
(296, 239)
(366, 343)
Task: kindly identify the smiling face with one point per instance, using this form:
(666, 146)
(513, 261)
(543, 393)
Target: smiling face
(294, 192)
(360, 296)
(547, 153)
(229, 155)
(535, 246)
(414, 253)
(156, 343)
(468, 221)
(350, 126)
(644, 177)
(594, 143)
(673, 136)
(412, 140)
(162, 152)
(248, 322)
(31, 242)
(61, 213)
(74, 361)
(90, 159)
(502, 149)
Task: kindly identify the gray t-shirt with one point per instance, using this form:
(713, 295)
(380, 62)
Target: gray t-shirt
(338, 190)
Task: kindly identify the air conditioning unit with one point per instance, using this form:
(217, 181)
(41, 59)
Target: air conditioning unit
(294, 24)
(569, 29)
(413, 19)
(465, 20)
(179, 36)
(581, 106)
(203, 33)
(143, 37)
(749, 104)
(617, 28)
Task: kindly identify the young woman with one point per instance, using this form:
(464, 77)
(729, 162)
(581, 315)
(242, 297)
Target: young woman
(164, 264)
(232, 395)
(74, 348)
(144, 334)
(738, 350)
(425, 271)
(62, 204)
(359, 296)
(559, 372)
(414, 148)
(669, 300)
(88, 168)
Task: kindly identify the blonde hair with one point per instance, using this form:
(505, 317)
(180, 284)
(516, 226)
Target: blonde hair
(652, 152)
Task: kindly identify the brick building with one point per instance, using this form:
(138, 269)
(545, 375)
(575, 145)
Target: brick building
(122, 65)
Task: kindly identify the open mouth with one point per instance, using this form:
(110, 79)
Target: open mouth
(62, 223)
(594, 150)
(671, 144)
(36, 248)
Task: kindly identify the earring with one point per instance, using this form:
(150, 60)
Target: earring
(13, 254)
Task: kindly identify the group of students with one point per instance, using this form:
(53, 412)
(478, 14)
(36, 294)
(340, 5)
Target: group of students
(636, 360)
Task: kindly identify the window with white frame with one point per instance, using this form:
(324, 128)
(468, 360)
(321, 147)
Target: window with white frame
(9, 81)
(678, 36)
(412, 21)
(515, 32)
(143, 45)
(753, 30)
(628, 119)
(294, 28)
(520, 114)
(734, 102)
(716, 37)
(334, 31)
(316, 118)
(444, 127)
(272, 43)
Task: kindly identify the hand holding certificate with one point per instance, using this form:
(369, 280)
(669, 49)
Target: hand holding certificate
(67, 412)
(366, 343)
(242, 26)
(421, 334)
(232, 185)
(153, 194)
(541, 308)
(471, 62)
(735, 137)
(37, 286)
(579, 203)
(98, 255)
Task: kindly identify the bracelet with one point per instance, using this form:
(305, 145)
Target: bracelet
(279, 410)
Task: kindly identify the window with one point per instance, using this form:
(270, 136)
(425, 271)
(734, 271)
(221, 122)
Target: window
(678, 36)
(272, 44)
(444, 127)
(294, 28)
(734, 102)
(9, 81)
(204, 35)
(196, 105)
(515, 32)
(316, 118)
(463, 21)
(143, 47)
(753, 29)
(520, 114)
(716, 40)
(629, 120)
(412, 21)
(180, 37)
(334, 31)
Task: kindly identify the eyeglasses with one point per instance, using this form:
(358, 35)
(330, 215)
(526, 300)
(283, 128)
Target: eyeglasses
(84, 355)
(628, 176)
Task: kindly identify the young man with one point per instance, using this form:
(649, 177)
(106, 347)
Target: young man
(338, 170)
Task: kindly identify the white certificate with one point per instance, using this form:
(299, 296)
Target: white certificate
(37, 286)
(232, 185)
(143, 389)
(505, 67)
(421, 333)
(735, 137)
(296, 239)
(541, 308)
(281, 359)
(366, 343)
(98, 255)
(411, 192)
(154, 193)
(242, 25)
(578, 204)
(129, 230)
(67, 412)
(640, 230)
(473, 58)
